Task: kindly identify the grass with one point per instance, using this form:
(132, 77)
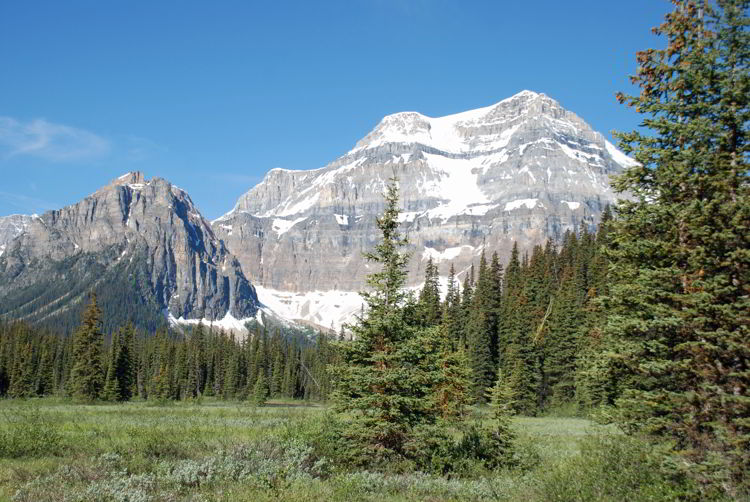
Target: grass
(224, 451)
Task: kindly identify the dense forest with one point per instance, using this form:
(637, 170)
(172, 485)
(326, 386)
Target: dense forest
(529, 321)
(161, 365)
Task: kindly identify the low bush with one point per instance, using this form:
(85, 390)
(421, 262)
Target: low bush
(28, 433)
(612, 468)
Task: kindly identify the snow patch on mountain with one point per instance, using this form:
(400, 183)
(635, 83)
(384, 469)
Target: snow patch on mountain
(329, 309)
(281, 226)
(457, 186)
(446, 254)
(516, 204)
(228, 323)
(619, 157)
(342, 219)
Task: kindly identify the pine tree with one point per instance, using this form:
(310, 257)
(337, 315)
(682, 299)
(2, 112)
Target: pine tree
(451, 320)
(87, 377)
(22, 376)
(429, 296)
(46, 377)
(124, 367)
(260, 391)
(111, 390)
(502, 403)
(385, 382)
(480, 331)
(679, 304)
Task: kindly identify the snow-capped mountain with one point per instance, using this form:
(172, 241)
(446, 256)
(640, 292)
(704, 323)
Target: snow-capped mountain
(523, 170)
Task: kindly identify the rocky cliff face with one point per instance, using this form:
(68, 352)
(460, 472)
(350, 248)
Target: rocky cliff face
(523, 170)
(134, 232)
(11, 227)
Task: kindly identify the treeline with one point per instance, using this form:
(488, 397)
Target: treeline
(160, 366)
(531, 321)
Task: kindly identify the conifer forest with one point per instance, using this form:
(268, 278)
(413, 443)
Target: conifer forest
(610, 364)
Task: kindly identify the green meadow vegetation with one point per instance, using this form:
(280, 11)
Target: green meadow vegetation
(211, 450)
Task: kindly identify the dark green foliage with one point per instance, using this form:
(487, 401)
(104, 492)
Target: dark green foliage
(87, 377)
(123, 293)
(678, 306)
(481, 329)
(452, 325)
(428, 307)
(260, 391)
(614, 468)
(384, 383)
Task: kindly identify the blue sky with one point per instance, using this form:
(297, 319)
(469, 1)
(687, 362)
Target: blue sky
(211, 95)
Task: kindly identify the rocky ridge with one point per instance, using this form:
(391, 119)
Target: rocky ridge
(523, 170)
(133, 230)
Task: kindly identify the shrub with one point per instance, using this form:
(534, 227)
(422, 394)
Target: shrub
(30, 434)
(612, 468)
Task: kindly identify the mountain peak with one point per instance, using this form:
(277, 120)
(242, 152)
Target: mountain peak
(129, 178)
(459, 132)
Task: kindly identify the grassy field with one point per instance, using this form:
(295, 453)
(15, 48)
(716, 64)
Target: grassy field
(222, 451)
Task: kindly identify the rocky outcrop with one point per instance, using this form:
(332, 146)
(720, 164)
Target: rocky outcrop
(11, 227)
(134, 230)
(523, 170)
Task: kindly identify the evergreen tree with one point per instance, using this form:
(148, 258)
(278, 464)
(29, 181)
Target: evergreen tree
(22, 376)
(429, 296)
(480, 331)
(451, 319)
(502, 404)
(111, 390)
(87, 377)
(260, 390)
(46, 374)
(124, 367)
(385, 383)
(679, 304)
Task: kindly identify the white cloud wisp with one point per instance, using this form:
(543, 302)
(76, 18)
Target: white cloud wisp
(49, 141)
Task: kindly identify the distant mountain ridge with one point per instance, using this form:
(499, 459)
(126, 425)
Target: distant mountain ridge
(523, 170)
(143, 237)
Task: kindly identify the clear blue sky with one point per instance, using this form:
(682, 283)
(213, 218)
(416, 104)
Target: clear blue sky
(211, 95)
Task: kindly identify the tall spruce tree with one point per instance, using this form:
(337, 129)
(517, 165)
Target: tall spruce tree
(429, 296)
(384, 384)
(87, 376)
(111, 389)
(480, 331)
(680, 302)
(452, 325)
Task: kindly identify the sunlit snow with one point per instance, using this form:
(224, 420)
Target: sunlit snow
(447, 254)
(282, 226)
(515, 204)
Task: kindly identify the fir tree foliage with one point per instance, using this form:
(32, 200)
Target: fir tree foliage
(386, 379)
(87, 378)
(679, 307)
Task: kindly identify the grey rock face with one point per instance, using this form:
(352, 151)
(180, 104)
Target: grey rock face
(154, 229)
(524, 170)
(11, 227)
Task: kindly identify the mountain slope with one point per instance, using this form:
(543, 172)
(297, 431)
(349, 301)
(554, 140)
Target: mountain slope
(142, 245)
(523, 170)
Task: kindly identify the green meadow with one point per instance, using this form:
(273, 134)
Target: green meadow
(54, 450)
